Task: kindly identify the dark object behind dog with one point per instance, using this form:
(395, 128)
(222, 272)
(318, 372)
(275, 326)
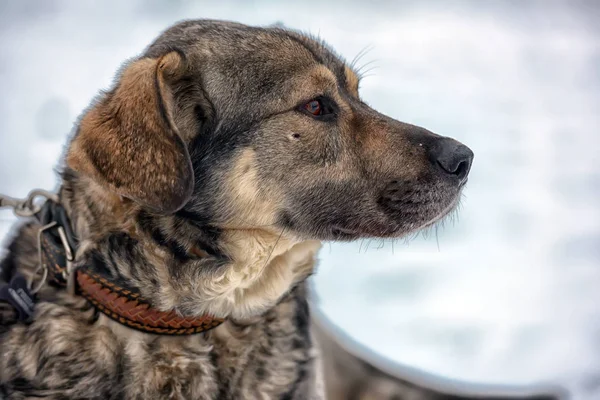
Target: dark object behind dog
(203, 183)
(354, 372)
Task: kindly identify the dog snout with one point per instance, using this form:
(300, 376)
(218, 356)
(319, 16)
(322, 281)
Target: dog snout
(452, 158)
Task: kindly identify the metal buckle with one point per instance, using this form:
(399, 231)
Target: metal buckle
(41, 265)
(68, 273)
(26, 207)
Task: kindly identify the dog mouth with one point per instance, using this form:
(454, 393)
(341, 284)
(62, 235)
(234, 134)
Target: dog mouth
(397, 213)
(397, 225)
(344, 234)
(443, 214)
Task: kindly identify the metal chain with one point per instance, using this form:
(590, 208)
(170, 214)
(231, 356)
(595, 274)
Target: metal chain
(27, 207)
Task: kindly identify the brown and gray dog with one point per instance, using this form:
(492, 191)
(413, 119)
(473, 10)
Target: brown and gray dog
(206, 179)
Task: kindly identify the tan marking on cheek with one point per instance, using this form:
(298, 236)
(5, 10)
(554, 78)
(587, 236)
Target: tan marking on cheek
(250, 201)
(351, 81)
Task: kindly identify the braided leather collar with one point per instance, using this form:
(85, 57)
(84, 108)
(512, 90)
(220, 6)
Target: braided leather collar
(114, 299)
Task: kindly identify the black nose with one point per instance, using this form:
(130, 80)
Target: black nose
(452, 158)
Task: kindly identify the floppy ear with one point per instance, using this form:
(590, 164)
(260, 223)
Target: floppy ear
(129, 143)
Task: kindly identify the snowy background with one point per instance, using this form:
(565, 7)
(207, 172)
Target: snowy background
(509, 292)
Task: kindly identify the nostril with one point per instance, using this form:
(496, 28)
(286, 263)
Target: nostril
(453, 158)
(462, 169)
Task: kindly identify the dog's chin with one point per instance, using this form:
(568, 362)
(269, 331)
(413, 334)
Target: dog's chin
(393, 229)
(439, 217)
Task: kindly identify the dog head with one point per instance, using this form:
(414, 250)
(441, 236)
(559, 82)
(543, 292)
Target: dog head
(263, 128)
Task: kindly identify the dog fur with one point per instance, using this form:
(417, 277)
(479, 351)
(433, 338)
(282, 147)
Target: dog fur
(201, 180)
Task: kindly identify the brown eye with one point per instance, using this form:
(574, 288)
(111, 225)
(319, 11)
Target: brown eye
(314, 107)
(321, 108)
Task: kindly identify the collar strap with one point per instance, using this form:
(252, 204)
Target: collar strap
(114, 299)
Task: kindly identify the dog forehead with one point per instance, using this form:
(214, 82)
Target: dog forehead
(233, 46)
(239, 66)
(215, 39)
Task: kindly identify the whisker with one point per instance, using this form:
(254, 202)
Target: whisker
(361, 68)
(365, 73)
(361, 54)
(366, 76)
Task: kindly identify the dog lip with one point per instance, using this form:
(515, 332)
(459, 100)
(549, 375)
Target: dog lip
(344, 232)
(447, 210)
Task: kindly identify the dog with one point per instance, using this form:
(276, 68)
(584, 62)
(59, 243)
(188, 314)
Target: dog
(199, 189)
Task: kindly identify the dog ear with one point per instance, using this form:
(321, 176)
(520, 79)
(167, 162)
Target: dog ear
(128, 142)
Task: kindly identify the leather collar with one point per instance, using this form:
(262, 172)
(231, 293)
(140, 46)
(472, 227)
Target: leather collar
(114, 299)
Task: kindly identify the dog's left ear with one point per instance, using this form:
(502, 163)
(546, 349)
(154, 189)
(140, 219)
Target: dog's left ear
(128, 141)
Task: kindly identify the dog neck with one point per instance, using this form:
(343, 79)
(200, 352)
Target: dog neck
(179, 264)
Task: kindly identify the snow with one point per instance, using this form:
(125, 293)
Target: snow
(506, 293)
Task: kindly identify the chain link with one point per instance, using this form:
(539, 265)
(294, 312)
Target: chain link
(27, 207)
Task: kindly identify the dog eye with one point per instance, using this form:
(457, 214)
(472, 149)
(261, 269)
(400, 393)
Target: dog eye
(322, 108)
(314, 107)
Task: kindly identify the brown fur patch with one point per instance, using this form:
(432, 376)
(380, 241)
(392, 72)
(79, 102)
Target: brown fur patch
(129, 143)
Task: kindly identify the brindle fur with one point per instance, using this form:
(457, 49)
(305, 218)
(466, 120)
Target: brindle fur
(198, 181)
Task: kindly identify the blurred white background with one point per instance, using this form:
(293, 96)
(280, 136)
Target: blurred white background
(509, 292)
